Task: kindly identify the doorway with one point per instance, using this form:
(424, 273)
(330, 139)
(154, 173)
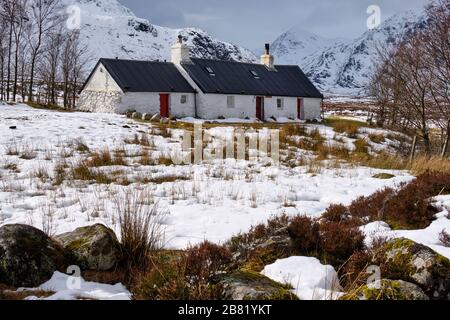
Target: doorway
(164, 105)
(260, 108)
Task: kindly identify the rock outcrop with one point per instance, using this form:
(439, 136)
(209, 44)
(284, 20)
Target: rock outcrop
(28, 257)
(92, 248)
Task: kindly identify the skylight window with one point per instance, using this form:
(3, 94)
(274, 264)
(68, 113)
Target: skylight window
(210, 71)
(254, 74)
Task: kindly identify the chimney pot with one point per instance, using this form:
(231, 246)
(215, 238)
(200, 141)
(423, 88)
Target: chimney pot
(267, 59)
(180, 51)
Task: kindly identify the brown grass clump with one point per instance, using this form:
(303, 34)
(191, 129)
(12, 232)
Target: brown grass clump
(423, 164)
(104, 158)
(349, 127)
(140, 229)
(377, 138)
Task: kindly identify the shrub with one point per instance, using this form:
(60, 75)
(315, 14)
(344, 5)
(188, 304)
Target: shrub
(304, 232)
(190, 276)
(444, 238)
(206, 260)
(354, 271)
(336, 213)
(409, 207)
(338, 241)
(257, 233)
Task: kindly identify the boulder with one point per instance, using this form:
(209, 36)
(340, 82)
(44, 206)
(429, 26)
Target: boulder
(136, 115)
(263, 251)
(249, 285)
(155, 118)
(409, 261)
(146, 117)
(383, 176)
(28, 257)
(92, 248)
(391, 290)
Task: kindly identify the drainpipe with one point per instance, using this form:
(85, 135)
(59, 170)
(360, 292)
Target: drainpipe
(195, 104)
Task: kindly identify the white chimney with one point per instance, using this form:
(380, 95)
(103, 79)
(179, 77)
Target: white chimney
(180, 52)
(267, 59)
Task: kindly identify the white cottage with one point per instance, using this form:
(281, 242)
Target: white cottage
(201, 88)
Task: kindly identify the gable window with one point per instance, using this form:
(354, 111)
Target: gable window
(231, 102)
(280, 103)
(184, 99)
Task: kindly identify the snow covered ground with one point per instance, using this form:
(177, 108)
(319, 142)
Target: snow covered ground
(65, 287)
(310, 279)
(213, 201)
(209, 201)
(428, 236)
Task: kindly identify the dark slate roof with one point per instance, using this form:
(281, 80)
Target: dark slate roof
(145, 76)
(237, 78)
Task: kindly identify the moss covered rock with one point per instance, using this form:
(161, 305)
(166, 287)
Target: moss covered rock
(409, 261)
(92, 248)
(391, 290)
(28, 257)
(250, 285)
(384, 176)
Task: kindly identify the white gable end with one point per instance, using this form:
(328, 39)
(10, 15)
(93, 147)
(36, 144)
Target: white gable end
(101, 81)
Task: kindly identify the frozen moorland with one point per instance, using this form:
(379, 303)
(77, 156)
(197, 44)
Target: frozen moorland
(41, 151)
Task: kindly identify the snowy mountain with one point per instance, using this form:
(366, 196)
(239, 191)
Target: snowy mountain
(295, 45)
(340, 66)
(111, 30)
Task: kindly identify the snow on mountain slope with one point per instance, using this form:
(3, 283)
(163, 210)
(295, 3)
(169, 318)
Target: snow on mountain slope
(344, 67)
(294, 46)
(111, 30)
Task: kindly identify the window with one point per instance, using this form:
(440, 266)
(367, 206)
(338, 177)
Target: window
(254, 74)
(210, 71)
(280, 103)
(231, 101)
(184, 99)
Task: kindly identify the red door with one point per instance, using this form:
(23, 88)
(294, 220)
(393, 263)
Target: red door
(300, 109)
(164, 105)
(260, 108)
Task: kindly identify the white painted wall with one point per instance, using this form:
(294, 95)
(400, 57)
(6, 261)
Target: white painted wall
(146, 102)
(101, 81)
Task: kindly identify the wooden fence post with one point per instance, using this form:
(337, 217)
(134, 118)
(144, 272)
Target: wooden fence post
(413, 150)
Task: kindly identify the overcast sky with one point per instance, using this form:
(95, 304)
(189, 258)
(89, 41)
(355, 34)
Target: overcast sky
(252, 23)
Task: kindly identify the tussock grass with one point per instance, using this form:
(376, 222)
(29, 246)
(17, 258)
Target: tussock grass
(423, 164)
(104, 158)
(349, 127)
